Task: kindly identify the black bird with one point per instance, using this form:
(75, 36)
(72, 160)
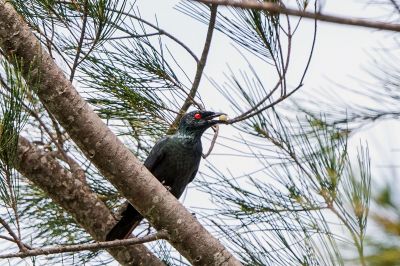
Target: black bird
(174, 161)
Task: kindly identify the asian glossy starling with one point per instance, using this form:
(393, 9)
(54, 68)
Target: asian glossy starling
(174, 161)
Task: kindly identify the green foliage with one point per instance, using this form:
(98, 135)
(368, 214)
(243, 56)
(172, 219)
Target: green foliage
(49, 224)
(12, 120)
(384, 248)
(254, 30)
(277, 216)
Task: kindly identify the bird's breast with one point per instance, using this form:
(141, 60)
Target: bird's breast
(178, 166)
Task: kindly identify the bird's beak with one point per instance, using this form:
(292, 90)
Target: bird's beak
(221, 118)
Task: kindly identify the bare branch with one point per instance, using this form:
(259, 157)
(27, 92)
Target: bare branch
(199, 72)
(82, 247)
(13, 240)
(254, 110)
(395, 5)
(160, 32)
(216, 130)
(13, 235)
(80, 43)
(268, 6)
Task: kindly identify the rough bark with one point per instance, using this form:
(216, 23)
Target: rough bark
(78, 199)
(104, 149)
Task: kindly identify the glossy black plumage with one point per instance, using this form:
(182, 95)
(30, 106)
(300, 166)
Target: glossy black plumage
(174, 161)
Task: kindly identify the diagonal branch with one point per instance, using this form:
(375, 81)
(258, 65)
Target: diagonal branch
(80, 43)
(16, 239)
(395, 5)
(77, 198)
(272, 7)
(115, 161)
(13, 240)
(255, 111)
(199, 72)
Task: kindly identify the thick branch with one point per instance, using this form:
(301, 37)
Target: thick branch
(271, 7)
(105, 150)
(77, 198)
(83, 247)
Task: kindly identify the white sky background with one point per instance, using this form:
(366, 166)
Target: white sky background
(342, 54)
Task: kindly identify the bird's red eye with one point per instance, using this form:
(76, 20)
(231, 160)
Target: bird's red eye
(197, 116)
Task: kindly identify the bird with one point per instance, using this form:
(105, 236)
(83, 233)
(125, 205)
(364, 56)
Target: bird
(174, 160)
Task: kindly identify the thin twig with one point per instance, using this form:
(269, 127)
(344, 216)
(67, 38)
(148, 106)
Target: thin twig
(271, 7)
(80, 43)
(395, 5)
(251, 111)
(312, 48)
(91, 246)
(21, 246)
(199, 72)
(130, 36)
(161, 32)
(49, 42)
(216, 130)
(13, 240)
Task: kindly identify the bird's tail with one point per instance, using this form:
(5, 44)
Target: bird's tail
(130, 218)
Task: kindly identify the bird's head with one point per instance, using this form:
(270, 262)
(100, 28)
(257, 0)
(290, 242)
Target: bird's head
(196, 122)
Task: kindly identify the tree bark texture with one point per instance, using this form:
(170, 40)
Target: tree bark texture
(78, 199)
(104, 149)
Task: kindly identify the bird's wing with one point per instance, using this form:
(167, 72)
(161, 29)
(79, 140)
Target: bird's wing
(198, 151)
(130, 217)
(193, 175)
(194, 172)
(156, 154)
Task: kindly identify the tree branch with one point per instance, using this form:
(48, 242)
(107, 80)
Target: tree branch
(18, 241)
(395, 5)
(83, 247)
(271, 7)
(214, 139)
(13, 240)
(199, 72)
(80, 43)
(77, 198)
(159, 32)
(115, 161)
